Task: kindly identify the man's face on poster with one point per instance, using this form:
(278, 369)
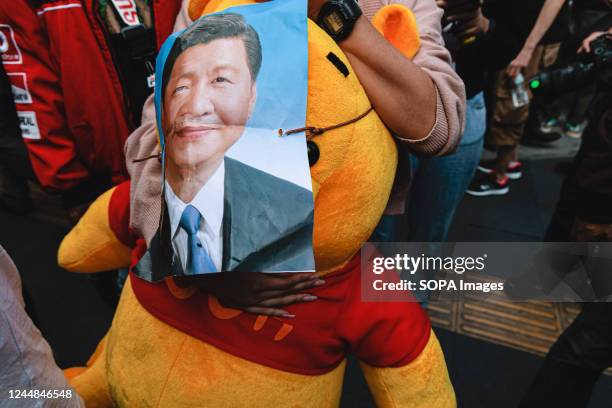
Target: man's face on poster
(209, 98)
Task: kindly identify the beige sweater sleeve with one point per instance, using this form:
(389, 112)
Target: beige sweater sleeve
(145, 194)
(435, 60)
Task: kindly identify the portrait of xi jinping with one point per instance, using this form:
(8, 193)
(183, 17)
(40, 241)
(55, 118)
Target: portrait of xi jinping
(221, 214)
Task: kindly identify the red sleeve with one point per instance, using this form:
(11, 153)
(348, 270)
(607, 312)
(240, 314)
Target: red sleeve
(382, 334)
(33, 73)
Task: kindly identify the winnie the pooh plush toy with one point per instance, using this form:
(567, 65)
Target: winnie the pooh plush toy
(176, 346)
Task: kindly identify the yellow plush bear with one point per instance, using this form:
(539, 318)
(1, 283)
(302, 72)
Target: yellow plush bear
(171, 346)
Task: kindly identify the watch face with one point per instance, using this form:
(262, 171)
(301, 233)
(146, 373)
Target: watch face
(334, 21)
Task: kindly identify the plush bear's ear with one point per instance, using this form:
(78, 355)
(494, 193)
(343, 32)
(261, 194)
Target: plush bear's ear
(398, 25)
(197, 8)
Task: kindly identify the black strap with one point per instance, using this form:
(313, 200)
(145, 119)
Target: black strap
(135, 35)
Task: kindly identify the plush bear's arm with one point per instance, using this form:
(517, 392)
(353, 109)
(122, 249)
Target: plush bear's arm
(101, 241)
(422, 383)
(91, 382)
(400, 355)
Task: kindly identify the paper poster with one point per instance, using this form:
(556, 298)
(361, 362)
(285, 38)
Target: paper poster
(237, 195)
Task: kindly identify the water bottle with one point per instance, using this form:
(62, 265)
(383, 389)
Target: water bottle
(520, 96)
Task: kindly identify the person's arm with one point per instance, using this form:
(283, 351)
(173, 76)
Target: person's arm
(402, 94)
(421, 100)
(585, 47)
(547, 16)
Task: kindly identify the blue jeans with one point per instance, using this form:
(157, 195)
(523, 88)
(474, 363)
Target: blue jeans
(438, 184)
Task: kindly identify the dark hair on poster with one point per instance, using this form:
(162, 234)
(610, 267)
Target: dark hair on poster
(215, 27)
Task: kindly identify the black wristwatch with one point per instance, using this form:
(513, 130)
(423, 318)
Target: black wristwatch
(338, 17)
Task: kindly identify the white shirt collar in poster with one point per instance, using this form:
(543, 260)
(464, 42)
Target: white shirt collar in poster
(209, 202)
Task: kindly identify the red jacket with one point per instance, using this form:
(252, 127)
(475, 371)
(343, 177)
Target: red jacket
(70, 100)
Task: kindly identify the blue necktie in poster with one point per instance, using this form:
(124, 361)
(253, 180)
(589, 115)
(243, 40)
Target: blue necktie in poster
(237, 196)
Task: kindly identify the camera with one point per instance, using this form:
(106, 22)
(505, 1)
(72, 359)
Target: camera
(595, 66)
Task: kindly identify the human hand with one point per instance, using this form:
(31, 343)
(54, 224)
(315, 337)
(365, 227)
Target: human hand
(313, 8)
(254, 292)
(470, 24)
(467, 17)
(585, 47)
(520, 62)
(457, 7)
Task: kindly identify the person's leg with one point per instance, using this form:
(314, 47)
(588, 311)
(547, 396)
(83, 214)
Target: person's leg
(439, 183)
(505, 154)
(598, 261)
(506, 130)
(14, 193)
(507, 125)
(571, 198)
(16, 171)
(575, 361)
(576, 121)
(388, 229)
(392, 225)
(584, 350)
(14, 158)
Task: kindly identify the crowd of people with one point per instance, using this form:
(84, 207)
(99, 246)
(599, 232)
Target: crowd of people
(77, 79)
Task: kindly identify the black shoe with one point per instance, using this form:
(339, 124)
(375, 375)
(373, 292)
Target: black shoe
(514, 171)
(540, 139)
(487, 185)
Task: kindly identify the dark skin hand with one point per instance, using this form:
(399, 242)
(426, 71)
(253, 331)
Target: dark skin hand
(467, 15)
(404, 97)
(254, 292)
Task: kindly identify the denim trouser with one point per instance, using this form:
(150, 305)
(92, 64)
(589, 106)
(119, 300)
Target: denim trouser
(439, 183)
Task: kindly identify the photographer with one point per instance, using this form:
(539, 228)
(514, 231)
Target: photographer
(567, 114)
(585, 190)
(589, 18)
(584, 349)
